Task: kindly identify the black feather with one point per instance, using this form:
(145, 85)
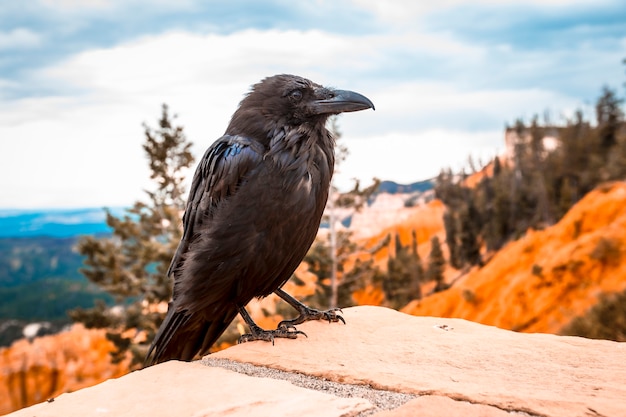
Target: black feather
(254, 208)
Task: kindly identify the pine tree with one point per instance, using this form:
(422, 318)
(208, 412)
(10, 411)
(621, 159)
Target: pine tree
(132, 263)
(404, 274)
(452, 238)
(540, 176)
(436, 265)
(609, 116)
(470, 226)
(501, 207)
(605, 320)
(320, 261)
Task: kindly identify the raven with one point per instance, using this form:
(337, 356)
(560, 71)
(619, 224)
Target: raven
(254, 208)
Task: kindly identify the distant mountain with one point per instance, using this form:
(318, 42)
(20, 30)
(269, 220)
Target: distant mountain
(34, 258)
(53, 222)
(395, 188)
(39, 267)
(40, 279)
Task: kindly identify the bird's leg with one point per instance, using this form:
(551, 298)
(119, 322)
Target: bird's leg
(257, 333)
(306, 313)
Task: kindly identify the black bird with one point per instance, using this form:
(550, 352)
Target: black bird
(254, 209)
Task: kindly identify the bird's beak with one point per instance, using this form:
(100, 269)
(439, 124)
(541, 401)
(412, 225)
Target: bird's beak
(342, 101)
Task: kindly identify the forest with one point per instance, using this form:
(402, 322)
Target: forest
(534, 186)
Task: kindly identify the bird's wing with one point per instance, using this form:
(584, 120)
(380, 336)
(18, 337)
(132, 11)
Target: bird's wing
(220, 171)
(222, 168)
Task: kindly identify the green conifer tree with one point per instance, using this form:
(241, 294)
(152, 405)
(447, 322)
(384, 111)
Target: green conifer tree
(609, 116)
(436, 265)
(471, 224)
(404, 274)
(132, 263)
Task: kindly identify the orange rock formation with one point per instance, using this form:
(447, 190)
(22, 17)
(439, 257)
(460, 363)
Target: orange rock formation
(31, 372)
(540, 282)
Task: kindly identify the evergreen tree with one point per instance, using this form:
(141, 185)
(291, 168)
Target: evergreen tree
(486, 206)
(452, 238)
(453, 194)
(470, 226)
(404, 274)
(436, 265)
(609, 116)
(539, 175)
(320, 264)
(132, 263)
(493, 205)
(501, 209)
(605, 320)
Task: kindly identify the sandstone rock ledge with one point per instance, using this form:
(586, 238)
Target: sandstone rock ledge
(382, 363)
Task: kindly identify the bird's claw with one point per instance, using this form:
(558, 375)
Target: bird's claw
(288, 327)
(313, 314)
(285, 332)
(332, 316)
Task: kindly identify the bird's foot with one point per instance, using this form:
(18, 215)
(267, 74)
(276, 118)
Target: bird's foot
(256, 333)
(308, 313)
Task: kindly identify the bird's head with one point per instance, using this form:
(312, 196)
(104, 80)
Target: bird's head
(291, 100)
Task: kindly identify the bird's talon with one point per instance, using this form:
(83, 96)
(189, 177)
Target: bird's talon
(332, 316)
(249, 337)
(285, 331)
(286, 327)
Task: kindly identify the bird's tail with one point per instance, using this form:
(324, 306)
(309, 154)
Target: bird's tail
(183, 335)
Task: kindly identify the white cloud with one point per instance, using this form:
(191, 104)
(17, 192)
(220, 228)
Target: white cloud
(420, 105)
(76, 4)
(178, 60)
(406, 11)
(98, 6)
(71, 154)
(408, 156)
(19, 38)
(84, 148)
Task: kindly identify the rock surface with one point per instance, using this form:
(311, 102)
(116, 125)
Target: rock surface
(449, 367)
(33, 371)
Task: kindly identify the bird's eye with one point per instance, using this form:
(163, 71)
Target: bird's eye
(295, 95)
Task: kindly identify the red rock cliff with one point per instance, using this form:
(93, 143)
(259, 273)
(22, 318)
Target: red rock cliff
(31, 372)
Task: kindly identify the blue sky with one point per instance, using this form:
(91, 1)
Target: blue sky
(79, 77)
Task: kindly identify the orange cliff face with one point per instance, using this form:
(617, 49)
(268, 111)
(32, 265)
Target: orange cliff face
(425, 221)
(32, 372)
(545, 279)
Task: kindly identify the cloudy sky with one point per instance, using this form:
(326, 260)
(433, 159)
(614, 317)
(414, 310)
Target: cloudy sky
(79, 77)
